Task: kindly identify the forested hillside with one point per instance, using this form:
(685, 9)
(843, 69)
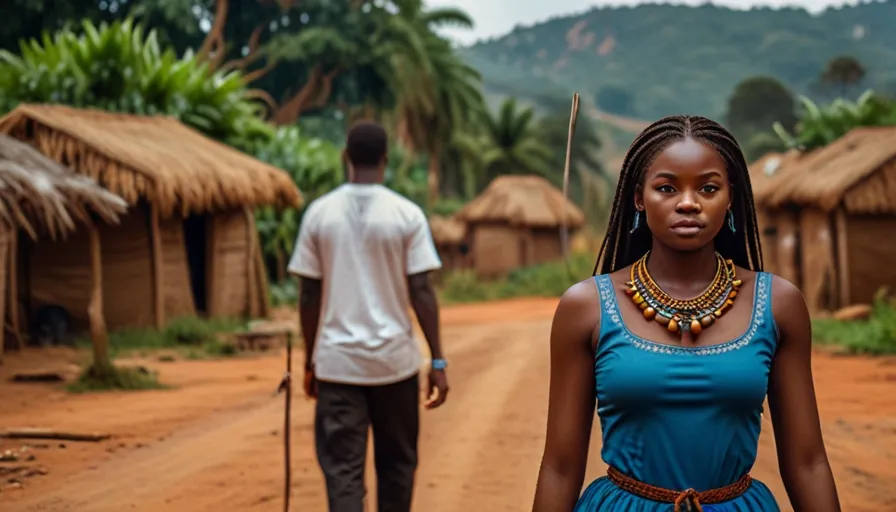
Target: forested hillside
(652, 60)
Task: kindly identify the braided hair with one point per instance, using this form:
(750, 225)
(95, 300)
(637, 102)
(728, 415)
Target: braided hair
(621, 248)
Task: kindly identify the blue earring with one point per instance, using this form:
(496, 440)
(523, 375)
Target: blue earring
(731, 221)
(636, 221)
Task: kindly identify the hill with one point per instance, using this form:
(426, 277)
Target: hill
(651, 60)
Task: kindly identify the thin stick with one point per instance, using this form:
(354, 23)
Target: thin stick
(564, 229)
(287, 381)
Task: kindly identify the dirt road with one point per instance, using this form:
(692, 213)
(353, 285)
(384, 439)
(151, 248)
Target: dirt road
(214, 442)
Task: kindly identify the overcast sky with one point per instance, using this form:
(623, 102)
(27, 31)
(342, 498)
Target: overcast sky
(497, 17)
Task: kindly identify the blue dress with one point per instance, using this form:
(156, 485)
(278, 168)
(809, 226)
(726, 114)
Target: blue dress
(681, 417)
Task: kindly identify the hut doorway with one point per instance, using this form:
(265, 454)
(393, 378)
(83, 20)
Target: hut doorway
(196, 239)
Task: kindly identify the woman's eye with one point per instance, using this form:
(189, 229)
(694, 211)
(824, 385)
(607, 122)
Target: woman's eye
(709, 189)
(667, 189)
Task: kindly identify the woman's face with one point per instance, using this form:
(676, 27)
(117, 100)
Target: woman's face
(685, 195)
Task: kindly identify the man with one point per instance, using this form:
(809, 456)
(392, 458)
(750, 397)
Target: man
(364, 255)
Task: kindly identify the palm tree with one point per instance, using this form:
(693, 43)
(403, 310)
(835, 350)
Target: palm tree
(440, 99)
(512, 144)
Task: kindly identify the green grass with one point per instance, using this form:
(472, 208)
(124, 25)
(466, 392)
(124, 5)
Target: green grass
(546, 280)
(115, 378)
(462, 286)
(194, 337)
(875, 336)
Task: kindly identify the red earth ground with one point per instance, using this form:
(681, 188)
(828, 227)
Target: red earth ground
(214, 442)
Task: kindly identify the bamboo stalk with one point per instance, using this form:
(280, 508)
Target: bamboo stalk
(564, 228)
(287, 381)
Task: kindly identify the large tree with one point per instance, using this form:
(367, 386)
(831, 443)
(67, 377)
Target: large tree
(756, 104)
(843, 72)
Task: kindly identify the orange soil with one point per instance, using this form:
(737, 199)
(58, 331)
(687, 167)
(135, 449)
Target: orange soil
(214, 443)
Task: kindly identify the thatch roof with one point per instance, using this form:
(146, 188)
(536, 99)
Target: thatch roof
(447, 230)
(766, 171)
(529, 201)
(159, 159)
(37, 193)
(857, 170)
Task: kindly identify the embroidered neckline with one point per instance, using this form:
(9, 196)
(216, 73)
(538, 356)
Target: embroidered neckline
(611, 307)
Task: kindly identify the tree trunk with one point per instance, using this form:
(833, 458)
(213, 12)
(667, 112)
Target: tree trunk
(289, 112)
(432, 178)
(102, 365)
(213, 47)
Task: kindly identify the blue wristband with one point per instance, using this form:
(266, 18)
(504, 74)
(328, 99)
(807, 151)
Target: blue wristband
(439, 364)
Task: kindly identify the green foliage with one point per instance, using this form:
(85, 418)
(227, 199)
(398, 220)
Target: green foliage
(545, 280)
(875, 336)
(659, 52)
(116, 67)
(819, 126)
(615, 99)
(186, 332)
(843, 72)
(511, 144)
(315, 166)
(756, 104)
(761, 144)
(448, 207)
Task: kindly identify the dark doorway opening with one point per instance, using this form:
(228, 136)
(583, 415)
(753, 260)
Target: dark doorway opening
(196, 240)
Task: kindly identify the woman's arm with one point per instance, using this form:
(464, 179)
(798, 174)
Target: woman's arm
(571, 407)
(801, 455)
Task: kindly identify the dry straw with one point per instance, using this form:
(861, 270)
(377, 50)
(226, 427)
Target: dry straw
(857, 170)
(524, 201)
(37, 194)
(157, 158)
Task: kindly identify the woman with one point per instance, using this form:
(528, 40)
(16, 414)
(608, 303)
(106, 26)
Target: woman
(679, 339)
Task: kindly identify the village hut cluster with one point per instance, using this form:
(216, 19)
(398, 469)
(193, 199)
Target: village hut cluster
(128, 221)
(825, 215)
(515, 222)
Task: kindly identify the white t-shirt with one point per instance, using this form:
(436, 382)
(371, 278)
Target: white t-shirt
(363, 241)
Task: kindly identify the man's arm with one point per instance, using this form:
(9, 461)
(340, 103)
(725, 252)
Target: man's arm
(305, 263)
(426, 307)
(420, 259)
(309, 314)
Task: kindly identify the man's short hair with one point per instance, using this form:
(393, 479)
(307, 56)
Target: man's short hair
(367, 144)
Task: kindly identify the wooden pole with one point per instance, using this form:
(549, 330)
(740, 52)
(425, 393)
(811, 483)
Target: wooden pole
(158, 267)
(564, 229)
(287, 381)
(100, 340)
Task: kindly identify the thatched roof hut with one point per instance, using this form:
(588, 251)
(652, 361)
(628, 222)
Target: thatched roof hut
(159, 159)
(835, 207)
(37, 194)
(854, 171)
(188, 244)
(41, 197)
(515, 222)
(450, 237)
(447, 230)
(529, 201)
(766, 171)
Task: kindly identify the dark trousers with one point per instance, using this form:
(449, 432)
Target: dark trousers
(343, 415)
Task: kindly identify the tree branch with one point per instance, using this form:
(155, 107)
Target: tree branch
(326, 87)
(290, 111)
(253, 54)
(214, 40)
(258, 73)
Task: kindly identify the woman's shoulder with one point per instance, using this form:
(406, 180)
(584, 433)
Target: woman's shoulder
(783, 292)
(579, 308)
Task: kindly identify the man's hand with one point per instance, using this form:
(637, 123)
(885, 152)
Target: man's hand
(310, 383)
(437, 390)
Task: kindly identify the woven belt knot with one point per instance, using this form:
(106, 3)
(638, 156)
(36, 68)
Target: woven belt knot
(688, 500)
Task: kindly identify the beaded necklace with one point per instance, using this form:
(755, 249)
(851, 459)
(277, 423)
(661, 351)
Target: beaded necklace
(679, 315)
